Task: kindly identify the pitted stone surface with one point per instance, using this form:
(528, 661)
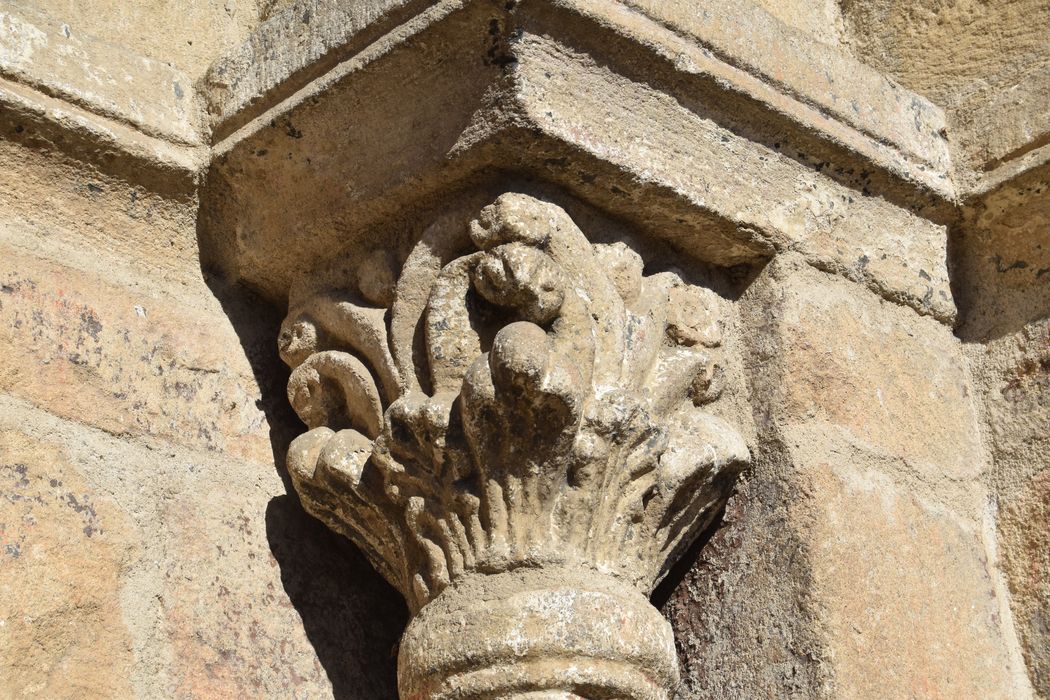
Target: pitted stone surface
(552, 421)
(816, 229)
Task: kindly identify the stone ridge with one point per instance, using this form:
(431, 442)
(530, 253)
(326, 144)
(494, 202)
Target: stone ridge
(652, 148)
(299, 44)
(310, 37)
(708, 68)
(813, 73)
(909, 142)
(112, 82)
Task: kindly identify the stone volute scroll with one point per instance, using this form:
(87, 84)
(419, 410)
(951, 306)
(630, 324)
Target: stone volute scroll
(515, 434)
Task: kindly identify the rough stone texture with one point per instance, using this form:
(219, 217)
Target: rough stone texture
(997, 148)
(188, 35)
(132, 362)
(39, 50)
(199, 577)
(890, 609)
(302, 41)
(852, 180)
(1025, 551)
(143, 348)
(66, 548)
(552, 421)
(149, 546)
(875, 381)
(676, 152)
(839, 570)
(821, 20)
(1006, 303)
(828, 77)
(908, 599)
(986, 63)
(1003, 259)
(936, 47)
(860, 237)
(819, 77)
(742, 614)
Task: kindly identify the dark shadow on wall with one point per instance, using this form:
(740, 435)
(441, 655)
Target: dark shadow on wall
(351, 616)
(257, 324)
(998, 262)
(677, 574)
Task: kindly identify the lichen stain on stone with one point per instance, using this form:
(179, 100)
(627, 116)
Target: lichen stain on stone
(133, 372)
(62, 568)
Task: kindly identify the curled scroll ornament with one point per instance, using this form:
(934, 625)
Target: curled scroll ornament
(516, 436)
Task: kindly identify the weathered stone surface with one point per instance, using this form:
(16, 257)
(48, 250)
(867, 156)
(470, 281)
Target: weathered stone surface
(936, 48)
(1013, 375)
(985, 62)
(830, 168)
(837, 573)
(1004, 290)
(903, 606)
(102, 298)
(94, 216)
(130, 361)
(744, 622)
(907, 599)
(48, 52)
(284, 51)
(200, 578)
(886, 380)
(819, 74)
(822, 20)
(64, 550)
(260, 601)
(671, 147)
(551, 421)
(1025, 551)
(1003, 259)
(559, 633)
(989, 144)
(300, 42)
(107, 322)
(899, 255)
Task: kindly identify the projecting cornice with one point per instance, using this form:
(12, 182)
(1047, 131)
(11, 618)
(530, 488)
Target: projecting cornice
(661, 113)
(732, 63)
(700, 55)
(644, 113)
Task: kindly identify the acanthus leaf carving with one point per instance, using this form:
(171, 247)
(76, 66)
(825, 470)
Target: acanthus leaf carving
(553, 419)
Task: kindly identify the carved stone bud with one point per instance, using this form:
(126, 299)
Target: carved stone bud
(558, 462)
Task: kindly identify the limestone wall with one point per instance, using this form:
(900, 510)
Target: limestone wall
(871, 210)
(149, 548)
(1003, 263)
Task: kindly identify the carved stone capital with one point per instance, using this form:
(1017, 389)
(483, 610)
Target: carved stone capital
(512, 427)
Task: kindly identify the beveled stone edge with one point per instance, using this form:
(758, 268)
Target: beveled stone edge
(884, 144)
(91, 134)
(32, 117)
(279, 57)
(510, 122)
(787, 73)
(169, 111)
(218, 106)
(1030, 164)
